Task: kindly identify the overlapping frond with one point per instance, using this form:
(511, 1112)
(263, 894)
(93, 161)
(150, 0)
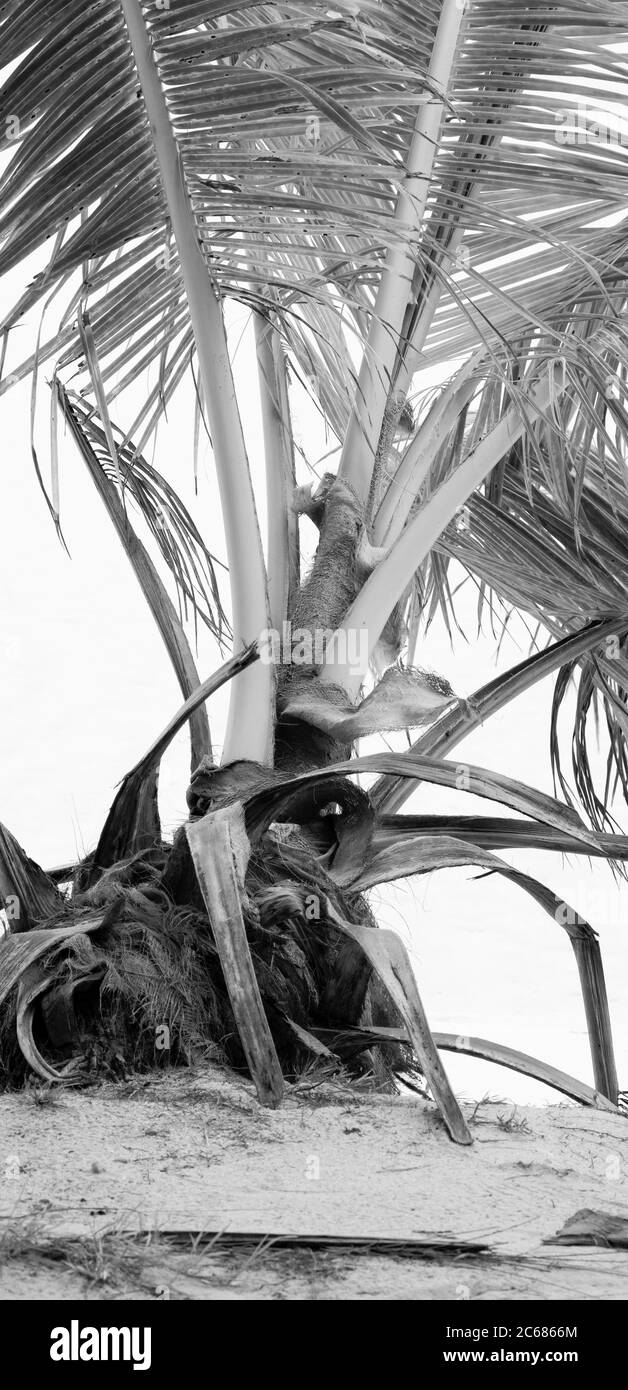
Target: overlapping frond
(546, 533)
(292, 122)
(174, 532)
(292, 125)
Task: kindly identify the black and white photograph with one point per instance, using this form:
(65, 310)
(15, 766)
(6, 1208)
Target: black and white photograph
(314, 668)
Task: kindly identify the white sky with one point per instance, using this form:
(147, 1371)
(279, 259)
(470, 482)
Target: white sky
(86, 685)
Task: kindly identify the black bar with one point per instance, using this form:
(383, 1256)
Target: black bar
(174, 1337)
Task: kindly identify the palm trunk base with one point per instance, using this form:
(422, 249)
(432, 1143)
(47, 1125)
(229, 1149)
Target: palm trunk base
(139, 984)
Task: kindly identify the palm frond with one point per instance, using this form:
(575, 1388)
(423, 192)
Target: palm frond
(125, 827)
(443, 736)
(424, 854)
(220, 852)
(293, 126)
(27, 893)
(488, 832)
(528, 1066)
(544, 533)
(268, 803)
(139, 484)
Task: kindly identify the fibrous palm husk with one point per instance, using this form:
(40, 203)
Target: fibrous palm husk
(130, 977)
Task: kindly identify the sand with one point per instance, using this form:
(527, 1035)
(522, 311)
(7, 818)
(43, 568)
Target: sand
(106, 1190)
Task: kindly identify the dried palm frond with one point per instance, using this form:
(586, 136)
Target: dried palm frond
(173, 530)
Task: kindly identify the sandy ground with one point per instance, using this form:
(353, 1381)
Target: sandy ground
(106, 1193)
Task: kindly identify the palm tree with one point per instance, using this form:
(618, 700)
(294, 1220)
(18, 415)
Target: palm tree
(389, 187)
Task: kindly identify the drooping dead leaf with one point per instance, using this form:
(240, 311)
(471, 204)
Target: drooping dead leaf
(400, 700)
(426, 853)
(528, 1066)
(18, 952)
(389, 959)
(32, 987)
(125, 828)
(21, 879)
(220, 850)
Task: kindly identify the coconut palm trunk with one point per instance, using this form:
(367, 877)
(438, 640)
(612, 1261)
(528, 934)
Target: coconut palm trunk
(400, 195)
